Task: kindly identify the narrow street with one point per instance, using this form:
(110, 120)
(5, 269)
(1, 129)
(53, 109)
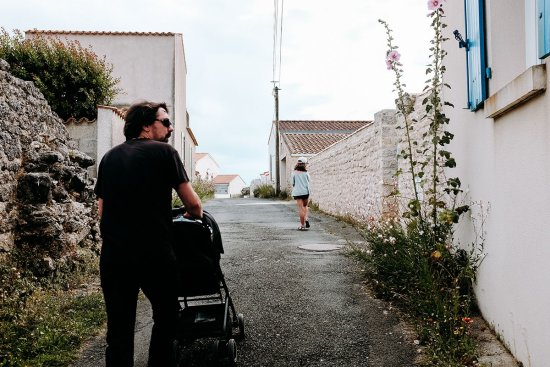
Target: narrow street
(301, 308)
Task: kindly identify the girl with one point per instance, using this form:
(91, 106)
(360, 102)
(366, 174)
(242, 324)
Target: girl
(300, 191)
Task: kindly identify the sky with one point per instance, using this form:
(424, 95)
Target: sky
(330, 59)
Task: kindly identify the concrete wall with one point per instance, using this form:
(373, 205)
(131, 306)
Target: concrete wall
(353, 176)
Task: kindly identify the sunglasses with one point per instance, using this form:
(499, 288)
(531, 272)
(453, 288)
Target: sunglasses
(165, 122)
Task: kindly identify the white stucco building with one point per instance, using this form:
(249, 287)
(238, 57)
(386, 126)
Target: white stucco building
(150, 66)
(205, 166)
(501, 122)
(228, 186)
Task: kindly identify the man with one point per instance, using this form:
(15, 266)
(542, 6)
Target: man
(134, 189)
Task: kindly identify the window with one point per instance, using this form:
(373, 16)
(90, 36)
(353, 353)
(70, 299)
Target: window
(475, 53)
(543, 14)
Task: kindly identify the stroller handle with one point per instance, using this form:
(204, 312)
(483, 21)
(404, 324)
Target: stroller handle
(178, 215)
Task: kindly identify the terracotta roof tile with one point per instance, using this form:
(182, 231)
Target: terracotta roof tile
(82, 120)
(98, 33)
(336, 126)
(120, 112)
(310, 143)
(224, 179)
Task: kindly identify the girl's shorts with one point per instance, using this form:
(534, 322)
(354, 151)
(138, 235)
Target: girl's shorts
(301, 197)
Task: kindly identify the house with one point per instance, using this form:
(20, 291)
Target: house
(304, 138)
(205, 166)
(159, 74)
(228, 186)
(502, 137)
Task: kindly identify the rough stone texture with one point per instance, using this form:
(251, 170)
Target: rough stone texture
(47, 207)
(354, 176)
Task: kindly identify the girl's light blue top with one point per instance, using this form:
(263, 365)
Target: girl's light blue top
(300, 183)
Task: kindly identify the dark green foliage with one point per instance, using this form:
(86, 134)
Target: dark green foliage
(73, 79)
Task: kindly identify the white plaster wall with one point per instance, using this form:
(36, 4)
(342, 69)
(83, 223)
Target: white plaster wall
(236, 186)
(186, 145)
(110, 131)
(353, 176)
(85, 134)
(144, 64)
(505, 162)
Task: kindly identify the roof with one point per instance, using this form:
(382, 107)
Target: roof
(199, 156)
(314, 126)
(190, 132)
(308, 137)
(98, 33)
(224, 179)
(310, 143)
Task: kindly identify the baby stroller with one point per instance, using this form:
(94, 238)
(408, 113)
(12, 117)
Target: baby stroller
(207, 310)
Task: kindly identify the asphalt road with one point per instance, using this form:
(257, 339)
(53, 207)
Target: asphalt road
(301, 308)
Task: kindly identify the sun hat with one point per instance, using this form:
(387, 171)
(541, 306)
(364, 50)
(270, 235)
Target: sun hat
(302, 160)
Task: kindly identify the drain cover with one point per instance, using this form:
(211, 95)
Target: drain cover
(320, 247)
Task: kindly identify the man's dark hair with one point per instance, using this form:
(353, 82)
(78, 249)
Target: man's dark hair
(140, 114)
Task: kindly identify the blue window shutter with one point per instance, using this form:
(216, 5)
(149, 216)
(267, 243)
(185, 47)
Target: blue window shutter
(543, 13)
(475, 54)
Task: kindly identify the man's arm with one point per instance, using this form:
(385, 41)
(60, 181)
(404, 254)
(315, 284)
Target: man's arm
(190, 199)
(100, 207)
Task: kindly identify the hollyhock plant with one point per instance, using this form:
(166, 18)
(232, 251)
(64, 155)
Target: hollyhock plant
(435, 4)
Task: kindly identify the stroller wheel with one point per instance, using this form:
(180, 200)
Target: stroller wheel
(215, 349)
(232, 352)
(240, 322)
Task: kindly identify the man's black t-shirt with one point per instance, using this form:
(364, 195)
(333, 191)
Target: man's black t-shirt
(135, 181)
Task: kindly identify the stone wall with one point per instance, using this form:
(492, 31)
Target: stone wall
(48, 214)
(354, 176)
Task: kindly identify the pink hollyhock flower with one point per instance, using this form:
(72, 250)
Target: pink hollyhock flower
(435, 4)
(389, 64)
(393, 56)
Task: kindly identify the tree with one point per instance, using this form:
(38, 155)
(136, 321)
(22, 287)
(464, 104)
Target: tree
(73, 79)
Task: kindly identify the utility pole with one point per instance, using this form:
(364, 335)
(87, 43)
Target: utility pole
(277, 158)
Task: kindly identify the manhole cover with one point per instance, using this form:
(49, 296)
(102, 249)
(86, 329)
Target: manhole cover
(320, 247)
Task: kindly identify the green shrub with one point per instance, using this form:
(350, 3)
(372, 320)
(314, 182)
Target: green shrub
(44, 326)
(264, 191)
(284, 195)
(204, 188)
(72, 78)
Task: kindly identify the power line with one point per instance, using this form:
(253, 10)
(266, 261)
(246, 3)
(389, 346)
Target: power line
(277, 39)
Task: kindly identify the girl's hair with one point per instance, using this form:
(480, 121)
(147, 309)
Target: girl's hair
(300, 167)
